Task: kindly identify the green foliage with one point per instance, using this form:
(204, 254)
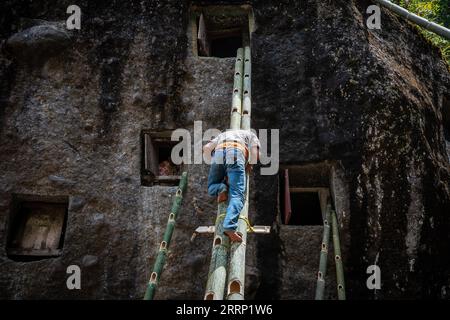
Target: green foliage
(437, 11)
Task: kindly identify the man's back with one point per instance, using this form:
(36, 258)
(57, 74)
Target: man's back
(245, 137)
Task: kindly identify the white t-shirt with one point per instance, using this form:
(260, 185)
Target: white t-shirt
(245, 137)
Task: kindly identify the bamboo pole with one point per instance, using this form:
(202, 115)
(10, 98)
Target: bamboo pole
(320, 287)
(164, 246)
(215, 287)
(236, 272)
(247, 103)
(424, 23)
(236, 105)
(338, 257)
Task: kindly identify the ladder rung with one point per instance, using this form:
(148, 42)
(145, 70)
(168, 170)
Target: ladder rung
(212, 229)
(261, 229)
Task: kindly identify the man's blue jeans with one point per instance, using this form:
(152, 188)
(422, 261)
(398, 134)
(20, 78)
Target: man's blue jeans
(229, 162)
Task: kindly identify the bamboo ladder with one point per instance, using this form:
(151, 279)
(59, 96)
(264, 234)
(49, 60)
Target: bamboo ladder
(330, 217)
(221, 251)
(164, 246)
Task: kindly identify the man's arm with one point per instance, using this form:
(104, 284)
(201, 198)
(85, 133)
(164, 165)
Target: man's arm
(255, 154)
(255, 151)
(207, 150)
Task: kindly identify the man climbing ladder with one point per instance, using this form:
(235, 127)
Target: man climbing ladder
(230, 159)
(222, 250)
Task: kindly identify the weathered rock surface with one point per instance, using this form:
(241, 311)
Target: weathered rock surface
(369, 102)
(38, 43)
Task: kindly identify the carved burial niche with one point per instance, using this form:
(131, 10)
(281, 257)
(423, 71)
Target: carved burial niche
(303, 195)
(218, 31)
(37, 227)
(158, 167)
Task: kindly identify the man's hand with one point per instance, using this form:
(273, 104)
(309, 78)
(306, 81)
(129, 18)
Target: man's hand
(249, 168)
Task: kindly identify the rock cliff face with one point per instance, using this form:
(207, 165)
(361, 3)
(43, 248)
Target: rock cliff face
(367, 105)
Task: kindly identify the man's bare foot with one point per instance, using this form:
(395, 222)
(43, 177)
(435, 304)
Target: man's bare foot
(222, 197)
(234, 236)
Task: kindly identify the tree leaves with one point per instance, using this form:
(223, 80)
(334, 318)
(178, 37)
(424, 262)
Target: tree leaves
(437, 11)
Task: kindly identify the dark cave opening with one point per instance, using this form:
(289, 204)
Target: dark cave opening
(225, 47)
(220, 30)
(305, 209)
